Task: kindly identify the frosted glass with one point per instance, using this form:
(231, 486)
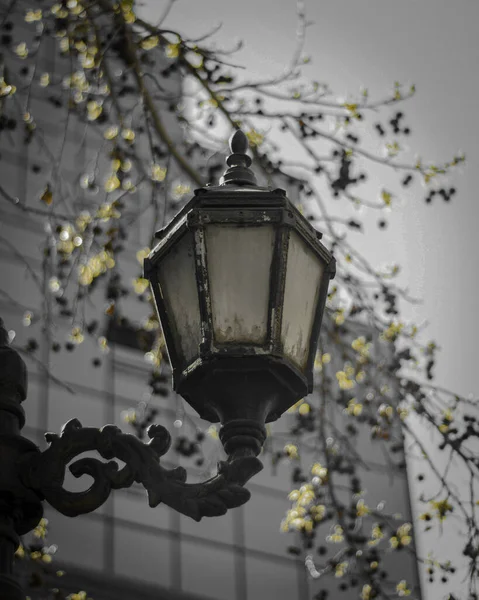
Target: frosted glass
(303, 279)
(178, 286)
(239, 264)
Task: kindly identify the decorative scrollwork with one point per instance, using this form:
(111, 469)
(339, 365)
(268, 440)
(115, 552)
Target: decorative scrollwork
(44, 472)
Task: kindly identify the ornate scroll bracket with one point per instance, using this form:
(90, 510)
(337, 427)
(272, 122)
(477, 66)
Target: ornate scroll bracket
(44, 472)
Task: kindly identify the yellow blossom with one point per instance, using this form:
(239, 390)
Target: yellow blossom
(158, 173)
(180, 190)
(366, 592)
(337, 537)
(6, 89)
(377, 535)
(103, 343)
(83, 220)
(47, 195)
(128, 134)
(33, 15)
(255, 138)
(344, 381)
(304, 409)
(361, 509)
(111, 132)
(341, 569)
(172, 50)
(442, 507)
(112, 184)
(402, 588)
(76, 336)
(354, 408)
(319, 471)
(21, 50)
(291, 451)
(392, 332)
(212, 432)
(140, 284)
(128, 416)
(150, 42)
(40, 530)
(45, 79)
(142, 254)
(386, 197)
(94, 110)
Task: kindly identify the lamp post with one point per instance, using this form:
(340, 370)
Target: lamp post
(240, 280)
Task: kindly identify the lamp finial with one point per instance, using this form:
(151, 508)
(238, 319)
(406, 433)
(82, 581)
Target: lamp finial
(238, 162)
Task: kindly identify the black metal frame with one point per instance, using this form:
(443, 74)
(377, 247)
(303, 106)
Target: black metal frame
(239, 206)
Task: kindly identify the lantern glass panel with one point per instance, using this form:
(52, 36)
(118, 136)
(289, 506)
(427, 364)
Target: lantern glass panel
(304, 272)
(239, 264)
(177, 278)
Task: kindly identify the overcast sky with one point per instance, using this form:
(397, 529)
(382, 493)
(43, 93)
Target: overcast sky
(434, 44)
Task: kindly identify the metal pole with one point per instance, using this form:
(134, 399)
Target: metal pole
(13, 383)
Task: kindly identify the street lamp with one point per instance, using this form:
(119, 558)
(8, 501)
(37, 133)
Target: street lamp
(240, 280)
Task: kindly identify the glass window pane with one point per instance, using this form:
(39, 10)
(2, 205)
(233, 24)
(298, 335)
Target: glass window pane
(178, 286)
(239, 263)
(303, 278)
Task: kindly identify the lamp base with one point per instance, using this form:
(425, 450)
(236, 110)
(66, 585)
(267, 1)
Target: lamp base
(243, 394)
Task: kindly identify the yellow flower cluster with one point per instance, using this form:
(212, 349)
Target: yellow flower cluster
(377, 534)
(386, 197)
(96, 266)
(255, 138)
(129, 416)
(180, 190)
(341, 569)
(150, 42)
(79, 596)
(345, 377)
(41, 555)
(362, 348)
(40, 530)
(140, 285)
(337, 536)
(304, 513)
(76, 336)
(21, 50)
(354, 408)
(402, 537)
(366, 592)
(442, 507)
(82, 221)
(291, 451)
(126, 7)
(33, 15)
(107, 211)
(172, 50)
(391, 333)
(362, 509)
(158, 173)
(317, 470)
(6, 89)
(402, 588)
(321, 359)
(142, 254)
(94, 110)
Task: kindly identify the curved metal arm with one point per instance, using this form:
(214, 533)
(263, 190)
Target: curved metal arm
(44, 472)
